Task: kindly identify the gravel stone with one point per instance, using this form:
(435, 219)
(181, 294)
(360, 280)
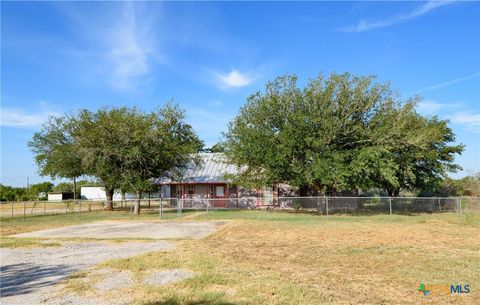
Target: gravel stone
(115, 279)
(167, 276)
(72, 299)
(29, 275)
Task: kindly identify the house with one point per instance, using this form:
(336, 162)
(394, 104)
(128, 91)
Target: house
(207, 179)
(201, 182)
(59, 196)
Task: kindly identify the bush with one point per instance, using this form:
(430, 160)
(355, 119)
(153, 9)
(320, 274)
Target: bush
(296, 205)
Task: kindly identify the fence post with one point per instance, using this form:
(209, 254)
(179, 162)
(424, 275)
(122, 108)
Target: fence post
(80, 208)
(12, 209)
(24, 210)
(44, 208)
(390, 204)
(161, 209)
(179, 208)
(207, 206)
(326, 205)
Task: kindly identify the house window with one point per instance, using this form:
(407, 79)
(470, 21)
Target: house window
(191, 189)
(219, 191)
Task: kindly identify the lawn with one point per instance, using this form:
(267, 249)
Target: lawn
(288, 258)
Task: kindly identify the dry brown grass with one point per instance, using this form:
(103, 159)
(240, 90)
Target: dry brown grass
(358, 263)
(343, 260)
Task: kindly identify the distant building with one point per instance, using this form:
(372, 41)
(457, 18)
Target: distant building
(98, 193)
(59, 196)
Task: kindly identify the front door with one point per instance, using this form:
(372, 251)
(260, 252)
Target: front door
(217, 192)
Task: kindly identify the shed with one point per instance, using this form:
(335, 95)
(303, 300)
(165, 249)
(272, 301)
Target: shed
(59, 196)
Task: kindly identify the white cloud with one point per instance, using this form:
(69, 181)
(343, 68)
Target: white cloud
(447, 83)
(129, 50)
(234, 79)
(364, 25)
(430, 107)
(23, 118)
(469, 119)
(454, 112)
(118, 42)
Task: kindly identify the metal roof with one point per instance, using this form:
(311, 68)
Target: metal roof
(211, 167)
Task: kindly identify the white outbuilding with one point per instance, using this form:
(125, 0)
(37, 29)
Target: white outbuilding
(98, 193)
(59, 196)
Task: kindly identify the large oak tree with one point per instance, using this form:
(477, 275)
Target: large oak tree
(342, 132)
(126, 148)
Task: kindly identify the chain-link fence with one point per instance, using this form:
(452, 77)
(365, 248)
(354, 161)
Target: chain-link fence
(174, 207)
(331, 205)
(18, 209)
(370, 205)
(14, 209)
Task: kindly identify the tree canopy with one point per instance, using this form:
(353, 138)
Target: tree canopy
(466, 186)
(343, 132)
(124, 148)
(127, 148)
(55, 149)
(10, 193)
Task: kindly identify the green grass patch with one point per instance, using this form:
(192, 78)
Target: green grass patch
(12, 242)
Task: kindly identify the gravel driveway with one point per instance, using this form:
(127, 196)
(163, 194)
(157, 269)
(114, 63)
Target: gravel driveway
(131, 229)
(28, 275)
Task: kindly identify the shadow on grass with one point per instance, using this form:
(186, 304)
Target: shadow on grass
(172, 301)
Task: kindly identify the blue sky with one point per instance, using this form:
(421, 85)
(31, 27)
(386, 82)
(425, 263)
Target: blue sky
(59, 56)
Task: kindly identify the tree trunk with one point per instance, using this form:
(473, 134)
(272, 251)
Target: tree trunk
(109, 193)
(74, 187)
(307, 191)
(359, 201)
(393, 192)
(136, 210)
